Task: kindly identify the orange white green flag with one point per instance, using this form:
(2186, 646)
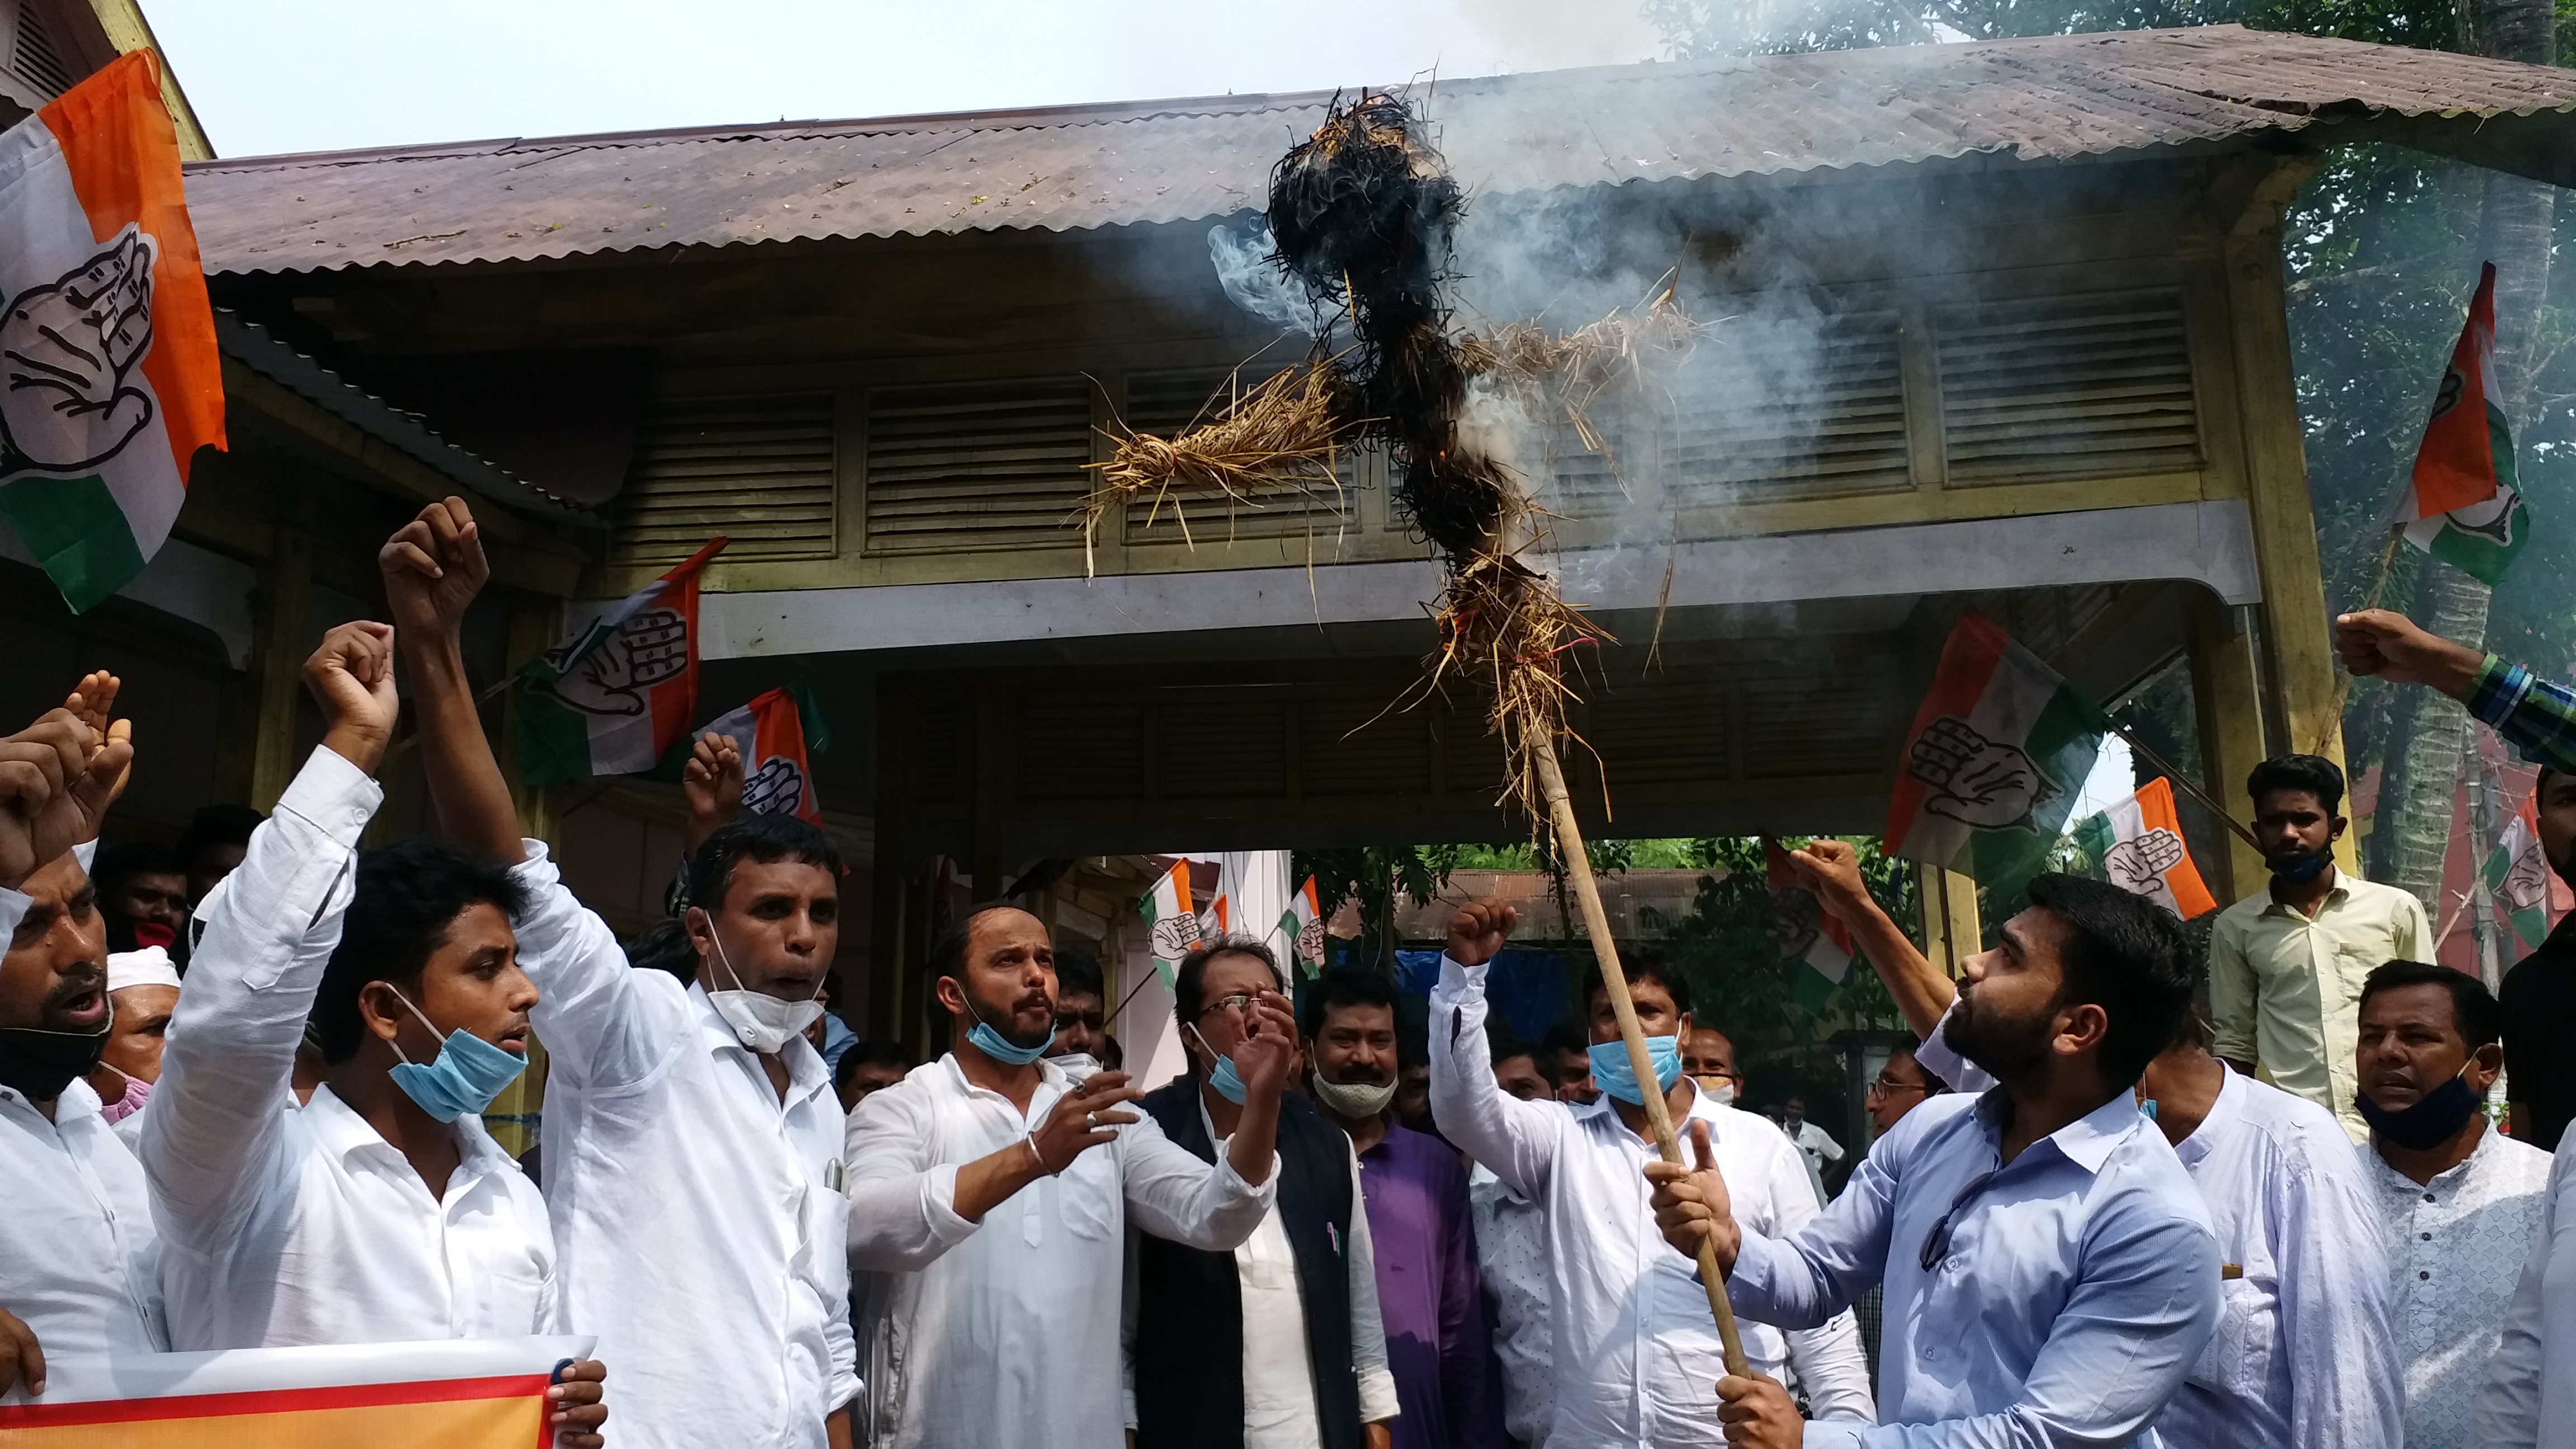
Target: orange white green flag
(2461, 505)
(1303, 925)
(776, 778)
(109, 382)
(2517, 875)
(448, 1394)
(1172, 928)
(1817, 946)
(620, 691)
(2139, 843)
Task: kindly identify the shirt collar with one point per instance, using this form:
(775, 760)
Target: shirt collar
(1050, 1076)
(2336, 895)
(77, 1101)
(2087, 1141)
(1702, 1105)
(338, 1130)
(2222, 1119)
(805, 1071)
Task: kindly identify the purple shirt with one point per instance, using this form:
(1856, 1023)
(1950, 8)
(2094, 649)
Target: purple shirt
(1430, 1294)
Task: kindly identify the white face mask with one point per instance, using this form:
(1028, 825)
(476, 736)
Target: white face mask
(760, 1021)
(1723, 1094)
(1354, 1100)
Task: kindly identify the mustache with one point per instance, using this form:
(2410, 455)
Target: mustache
(78, 981)
(1358, 1075)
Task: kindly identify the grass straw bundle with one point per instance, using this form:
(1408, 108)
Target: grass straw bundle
(1280, 436)
(1570, 373)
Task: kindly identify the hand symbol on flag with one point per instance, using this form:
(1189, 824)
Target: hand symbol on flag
(2138, 866)
(1977, 781)
(1310, 944)
(776, 788)
(614, 678)
(1174, 936)
(2526, 885)
(66, 350)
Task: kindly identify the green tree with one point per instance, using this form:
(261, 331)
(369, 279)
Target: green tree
(1375, 876)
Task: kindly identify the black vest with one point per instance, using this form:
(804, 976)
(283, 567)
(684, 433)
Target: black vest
(1189, 1313)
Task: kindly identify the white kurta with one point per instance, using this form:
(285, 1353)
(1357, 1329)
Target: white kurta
(699, 1221)
(2529, 1398)
(1004, 1333)
(286, 1227)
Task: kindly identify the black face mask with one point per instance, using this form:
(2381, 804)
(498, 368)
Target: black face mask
(2436, 1117)
(38, 1064)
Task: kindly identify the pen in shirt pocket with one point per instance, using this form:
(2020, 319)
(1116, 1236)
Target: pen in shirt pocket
(1335, 1234)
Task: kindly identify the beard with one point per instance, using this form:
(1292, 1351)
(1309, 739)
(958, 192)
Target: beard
(2006, 1046)
(1005, 1022)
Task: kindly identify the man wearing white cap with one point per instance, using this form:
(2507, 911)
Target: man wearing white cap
(143, 986)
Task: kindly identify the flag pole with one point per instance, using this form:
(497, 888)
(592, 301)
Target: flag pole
(1614, 980)
(2188, 785)
(2369, 600)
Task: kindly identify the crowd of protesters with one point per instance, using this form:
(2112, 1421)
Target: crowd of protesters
(2111, 1195)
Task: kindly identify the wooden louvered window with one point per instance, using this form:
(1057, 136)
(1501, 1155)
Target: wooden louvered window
(2068, 387)
(758, 470)
(1167, 403)
(33, 54)
(978, 465)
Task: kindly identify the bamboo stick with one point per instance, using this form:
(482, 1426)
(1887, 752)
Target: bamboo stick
(1578, 868)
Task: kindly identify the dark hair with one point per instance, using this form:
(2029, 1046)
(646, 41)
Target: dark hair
(663, 946)
(1501, 1047)
(870, 1051)
(2540, 784)
(948, 952)
(2313, 774)
(217, 825)
(119, 864)
(2474, 1009)
(2126, 955)
(1643, 964)
(762, 840)
(408, 894)
(1186, 982)
(1933, 1085)
(1567, 1035)
(1077, 972)
(1342, 986)
(1112, 1055)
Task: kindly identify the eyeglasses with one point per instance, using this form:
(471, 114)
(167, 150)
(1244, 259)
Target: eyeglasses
(1936, 1243)
(1240, 1004)
(1885, 1088)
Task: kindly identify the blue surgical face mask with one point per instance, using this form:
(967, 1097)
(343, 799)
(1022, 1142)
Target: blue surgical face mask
(995, 1045)
(2304, 868)
(1611, 1073)
(468, 1074)
(1227, 1081)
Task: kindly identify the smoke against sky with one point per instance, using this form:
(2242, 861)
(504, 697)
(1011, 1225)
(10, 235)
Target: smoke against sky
(268, 76)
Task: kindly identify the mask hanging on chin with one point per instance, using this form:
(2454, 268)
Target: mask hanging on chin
(468, 1073)
(1228, 1082)
(989, 1040)
(37, 1064)
(2304, 868)
(1356, 1101)
(2433, 1119)
(760, 1021)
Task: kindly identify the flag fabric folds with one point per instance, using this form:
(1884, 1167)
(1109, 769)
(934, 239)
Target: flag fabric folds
(776, 778)
(1994, 760)
(1303, 925)
(1172, 927)
(2517, 875)
(450, 1394)
(1817, 946)
(2139, 843)
(2461, 505)
(617, 694)
(109, 381)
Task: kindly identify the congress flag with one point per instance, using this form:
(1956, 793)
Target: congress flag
(2461, 506)
(611, 699)
(1171, 925)
(1303, 925)
(2517, 875)
(776, 779)
(1992, 765)
(109, 382)
(1817, 946)
(449, 1394)
(2139, 843)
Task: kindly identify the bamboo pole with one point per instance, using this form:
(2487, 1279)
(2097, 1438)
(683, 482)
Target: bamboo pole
(1578, 868)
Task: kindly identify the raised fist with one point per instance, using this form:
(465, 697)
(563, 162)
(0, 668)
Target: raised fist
(66, 352)
(1174, 937)
(1975, 780)
(651, 647)
(776, 788)
(2138, 866)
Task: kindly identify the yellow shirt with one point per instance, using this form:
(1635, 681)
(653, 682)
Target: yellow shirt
(2286, 989)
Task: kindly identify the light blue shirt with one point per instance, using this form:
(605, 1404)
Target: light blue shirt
(2069, 1293)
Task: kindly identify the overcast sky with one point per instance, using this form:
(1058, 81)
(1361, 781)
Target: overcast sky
(308, 75)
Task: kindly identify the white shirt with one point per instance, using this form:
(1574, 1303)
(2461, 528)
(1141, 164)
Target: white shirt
(699, 1221)
(1278, 1382)
(1816, 1148)
(1005, 1333)
(2456, 1246)
(1511, 1250)
(284, 1227)
(79, 1261)
(2529, 1398)
(1634, 1345)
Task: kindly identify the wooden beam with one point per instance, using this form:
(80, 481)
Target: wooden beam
(2227, 695)
(1952, 931)
(534, 625)
(128, 31)
(278, 664)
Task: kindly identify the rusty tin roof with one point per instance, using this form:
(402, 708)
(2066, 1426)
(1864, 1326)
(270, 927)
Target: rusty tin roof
(1074, 167)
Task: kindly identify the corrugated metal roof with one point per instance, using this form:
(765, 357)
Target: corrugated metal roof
(1077, 167)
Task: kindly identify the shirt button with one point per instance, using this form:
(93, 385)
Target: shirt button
(2428, 1237)
(2423, 1275)
(2428, 1197)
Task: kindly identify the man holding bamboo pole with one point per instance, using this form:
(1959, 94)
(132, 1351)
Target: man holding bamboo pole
(2051, 1273)
(1633, 1339)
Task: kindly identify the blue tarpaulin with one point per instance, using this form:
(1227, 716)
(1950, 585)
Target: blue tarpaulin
(1526, 987)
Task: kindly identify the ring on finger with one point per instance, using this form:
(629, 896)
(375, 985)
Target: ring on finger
(1091, 1121)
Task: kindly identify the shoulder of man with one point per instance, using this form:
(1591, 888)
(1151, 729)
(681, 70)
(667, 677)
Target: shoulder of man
(2305, 1135)
(2394, 898)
